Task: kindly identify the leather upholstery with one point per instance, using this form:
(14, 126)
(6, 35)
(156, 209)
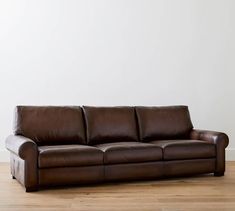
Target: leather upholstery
(221, 141)
(24, 155)
(186, 149)
(17, 168)
(71, 175)
(130, 152)
(47, 125)
(189, 167)
(69, 155)
(169, 122)
(134, 171)
(51, 147)
(110, 124)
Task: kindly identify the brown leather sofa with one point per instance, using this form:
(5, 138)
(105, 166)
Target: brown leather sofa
(78, 145)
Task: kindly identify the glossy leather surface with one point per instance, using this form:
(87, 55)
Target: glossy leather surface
(169, 122)
(130, 152)
(47, 125)
(24, 154)
(69, 155)
(221, 141)
(110, 124)
(58, 154)
(18, 169)
(186, 149)
(134, 171)
(71, 175)
(189, 167)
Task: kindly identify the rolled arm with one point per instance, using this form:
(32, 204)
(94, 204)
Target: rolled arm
(24, 161)
(21, 146)
(221, 141)
(210, 136)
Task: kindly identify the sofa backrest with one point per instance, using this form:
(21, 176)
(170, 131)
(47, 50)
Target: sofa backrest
(48, 125)
(110, 124)
(51, 125)
(169, 122)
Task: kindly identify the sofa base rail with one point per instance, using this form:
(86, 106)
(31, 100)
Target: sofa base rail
(70, 175)
(189, 167)
(133, 171)
(63, 176)
(123, 172)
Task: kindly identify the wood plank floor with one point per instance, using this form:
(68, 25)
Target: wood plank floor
(185, 194)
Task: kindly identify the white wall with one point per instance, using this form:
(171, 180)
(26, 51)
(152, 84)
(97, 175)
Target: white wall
(123, 52)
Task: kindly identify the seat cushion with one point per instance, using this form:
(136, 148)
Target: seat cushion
(105, 124)
(69, 155)
(130, 152)
(167, 122)
(186, 149)
(50, 125)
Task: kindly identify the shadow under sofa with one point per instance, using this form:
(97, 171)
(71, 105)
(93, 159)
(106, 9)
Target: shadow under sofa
(55, 145)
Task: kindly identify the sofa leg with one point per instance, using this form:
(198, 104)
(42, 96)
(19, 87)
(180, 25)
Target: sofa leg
(219, 174)
(31, 189)
(13, 177)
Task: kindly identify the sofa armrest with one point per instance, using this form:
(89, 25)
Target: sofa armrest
(24, 160)
(21, 146)
(220, 140)
(211, 136)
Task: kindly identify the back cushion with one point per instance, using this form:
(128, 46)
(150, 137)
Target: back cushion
(171, 122)
(50, 124)
(110, 124)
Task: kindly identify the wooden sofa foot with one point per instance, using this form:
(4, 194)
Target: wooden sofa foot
(13, 177)
(219, 174)
(34, 189)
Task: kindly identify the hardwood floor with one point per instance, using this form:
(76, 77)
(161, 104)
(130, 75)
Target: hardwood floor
(183, 194)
